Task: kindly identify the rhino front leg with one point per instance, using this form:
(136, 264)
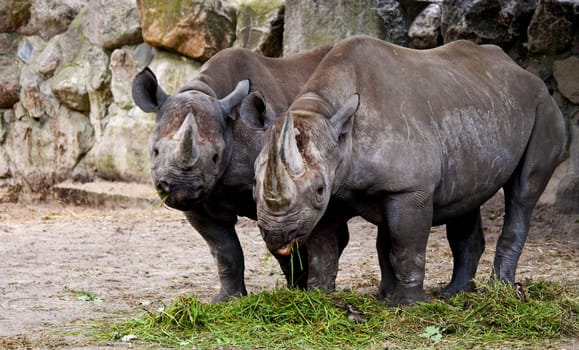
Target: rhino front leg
(324, 246)
(467, 243)
(226, 249)
(384, 248)
(409, 219)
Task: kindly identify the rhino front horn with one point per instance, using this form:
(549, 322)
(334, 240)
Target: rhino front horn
(186, 154)
(278, 192)
(289, 152)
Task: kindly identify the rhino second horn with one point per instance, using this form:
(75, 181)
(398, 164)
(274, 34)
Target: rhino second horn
(186, 154)
(289, 152)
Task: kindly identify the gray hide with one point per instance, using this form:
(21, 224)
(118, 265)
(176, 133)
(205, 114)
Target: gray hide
(408, 139)
(205, 142)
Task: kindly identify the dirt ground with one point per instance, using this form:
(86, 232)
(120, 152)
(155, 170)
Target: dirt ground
(64, 267)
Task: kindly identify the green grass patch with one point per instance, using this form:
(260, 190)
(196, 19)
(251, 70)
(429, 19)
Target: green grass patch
(293, 319)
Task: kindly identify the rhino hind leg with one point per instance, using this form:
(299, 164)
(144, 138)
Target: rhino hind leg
(522, 191)
(226, 249)
(467, 244)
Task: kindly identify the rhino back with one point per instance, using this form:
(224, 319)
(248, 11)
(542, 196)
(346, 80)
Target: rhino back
(453, 121)
(278, 79)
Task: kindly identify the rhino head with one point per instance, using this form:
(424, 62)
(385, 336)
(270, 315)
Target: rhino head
(189, 145)
(295, 171)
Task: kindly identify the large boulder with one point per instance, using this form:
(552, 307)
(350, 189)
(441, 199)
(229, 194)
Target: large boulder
(497, 22)
(552, 29)
(311, 24)
(13, 14)
(260, 26)
(425, 29)
(44, 152)
(566, 73)
(50, 17)
(9, 71)
(195, 28)
(111, 24)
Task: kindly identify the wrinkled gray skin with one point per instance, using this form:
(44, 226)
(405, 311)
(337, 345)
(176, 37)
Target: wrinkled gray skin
(205, 142)
(409, 139)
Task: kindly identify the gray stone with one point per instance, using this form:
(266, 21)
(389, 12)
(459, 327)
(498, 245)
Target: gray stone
(310, 24)
(44, 153)
(260, 26)
(36, 97)
(425, 29)
(69, 87)
(111, 24)
(51, 17)
(9, 87)
(568, 194)
(13, 14)
(566, 74)
(551, 29)
(143, 55)
(25, 51)
(195, 28)
(123, 69)
(98, 75)
(122, 153)
(395, 24)
(9, 71)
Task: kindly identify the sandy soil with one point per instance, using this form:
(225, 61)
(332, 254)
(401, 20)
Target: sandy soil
(53, 254)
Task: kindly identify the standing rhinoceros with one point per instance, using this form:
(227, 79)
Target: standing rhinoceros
(409, 139)
(205, 142)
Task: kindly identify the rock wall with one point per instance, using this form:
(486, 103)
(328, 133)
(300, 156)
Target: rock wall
(66, 67)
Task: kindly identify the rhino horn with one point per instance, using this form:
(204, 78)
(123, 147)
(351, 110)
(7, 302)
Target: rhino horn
(186, 154)
(289, 152)
(277, 193)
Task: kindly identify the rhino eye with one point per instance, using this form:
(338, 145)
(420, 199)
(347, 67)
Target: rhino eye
(215, 158)
(320, 191)
(155, 152)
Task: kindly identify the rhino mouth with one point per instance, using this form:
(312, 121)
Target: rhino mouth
(184, 199)
(286, 249)
(282, 244)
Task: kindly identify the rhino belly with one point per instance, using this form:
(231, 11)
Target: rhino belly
(461, 193)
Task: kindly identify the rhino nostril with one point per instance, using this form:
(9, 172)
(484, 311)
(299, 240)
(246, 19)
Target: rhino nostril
(197, 190)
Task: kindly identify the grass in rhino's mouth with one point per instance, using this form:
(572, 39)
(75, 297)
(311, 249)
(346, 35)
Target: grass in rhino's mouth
(163, 196)
(295, 247)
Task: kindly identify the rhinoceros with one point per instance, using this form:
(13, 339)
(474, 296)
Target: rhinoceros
(409, 139)
(205, 142)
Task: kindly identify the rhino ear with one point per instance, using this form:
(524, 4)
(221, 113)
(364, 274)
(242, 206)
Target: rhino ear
(147, 93)
(229, 102)
(255, 112)
(343, 120)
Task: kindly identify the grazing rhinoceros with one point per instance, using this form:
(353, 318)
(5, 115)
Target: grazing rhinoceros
(409, 139)
(202, 154)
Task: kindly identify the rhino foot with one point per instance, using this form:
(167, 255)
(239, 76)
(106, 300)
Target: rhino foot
(406, 296)
(455, 288)
(224, 296)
